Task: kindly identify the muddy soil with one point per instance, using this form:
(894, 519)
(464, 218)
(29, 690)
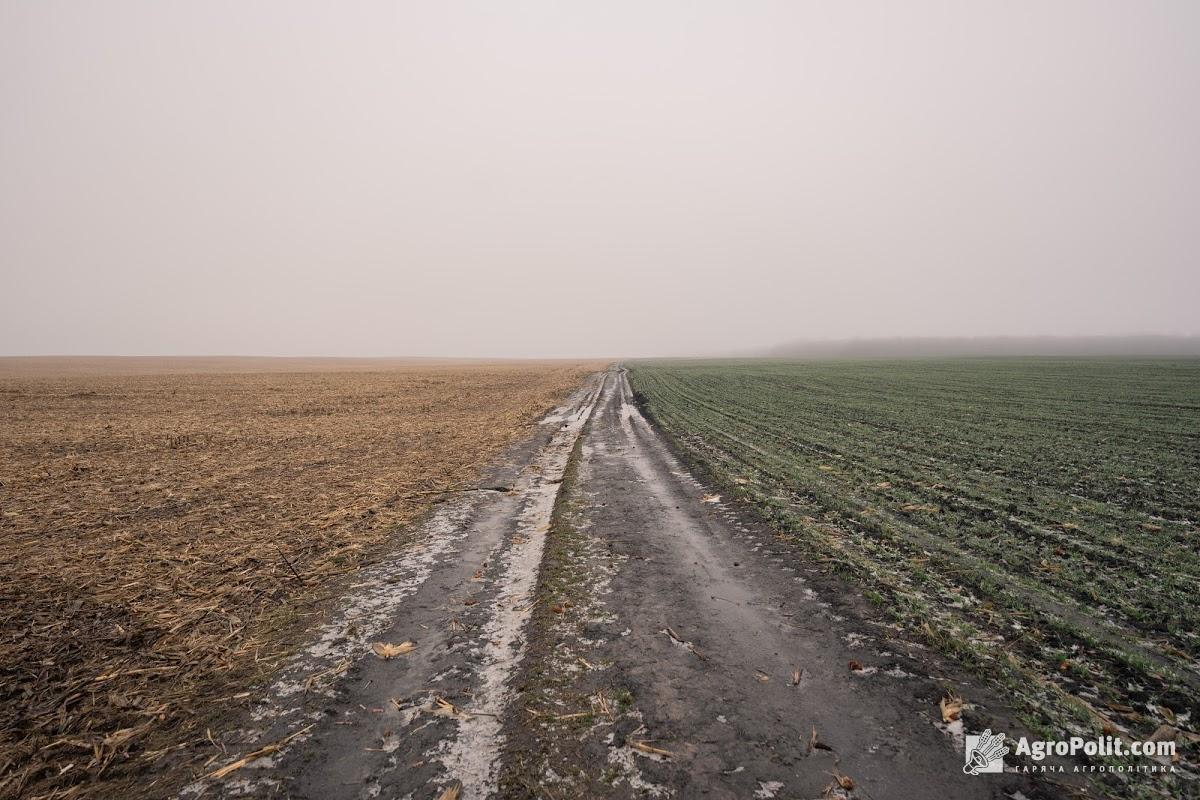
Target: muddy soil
(607, 628)
(711, 662)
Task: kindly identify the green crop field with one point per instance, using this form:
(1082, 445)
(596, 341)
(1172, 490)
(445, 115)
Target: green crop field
(1036, 519)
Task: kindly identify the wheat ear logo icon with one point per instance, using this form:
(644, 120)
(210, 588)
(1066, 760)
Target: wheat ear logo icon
(985, 753)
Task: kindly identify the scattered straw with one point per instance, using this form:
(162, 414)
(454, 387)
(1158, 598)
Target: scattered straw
(165, 539)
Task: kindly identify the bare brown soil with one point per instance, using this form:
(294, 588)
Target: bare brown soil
(168, 527)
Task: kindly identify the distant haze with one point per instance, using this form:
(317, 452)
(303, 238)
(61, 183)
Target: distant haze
(938, 347)
(592, 179)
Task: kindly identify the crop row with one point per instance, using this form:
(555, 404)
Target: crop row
(1034, 514)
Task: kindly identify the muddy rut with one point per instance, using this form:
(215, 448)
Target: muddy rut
(594, 623)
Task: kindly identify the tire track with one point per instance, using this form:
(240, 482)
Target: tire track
(339, 722)
(473, 755)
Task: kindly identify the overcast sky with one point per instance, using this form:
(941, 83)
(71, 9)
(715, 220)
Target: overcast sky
(601, 178)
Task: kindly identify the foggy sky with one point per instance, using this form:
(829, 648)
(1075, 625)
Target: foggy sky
(591, 179)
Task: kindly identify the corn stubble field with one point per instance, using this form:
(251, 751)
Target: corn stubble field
(1034, 519)
(165, 538)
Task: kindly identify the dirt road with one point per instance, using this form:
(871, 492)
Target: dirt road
(602, 626)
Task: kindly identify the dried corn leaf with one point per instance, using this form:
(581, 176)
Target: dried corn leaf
(386, 651)
(843, 781)
(951, 707)
(814, 743)
(442, 707)
(257, 754)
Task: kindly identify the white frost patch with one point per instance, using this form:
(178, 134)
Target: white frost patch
(446, 673)
(407, 715)
(367, 612)
(472, 755)
(624, 760)
(955, 731)
(767, 789)
(373, 606)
